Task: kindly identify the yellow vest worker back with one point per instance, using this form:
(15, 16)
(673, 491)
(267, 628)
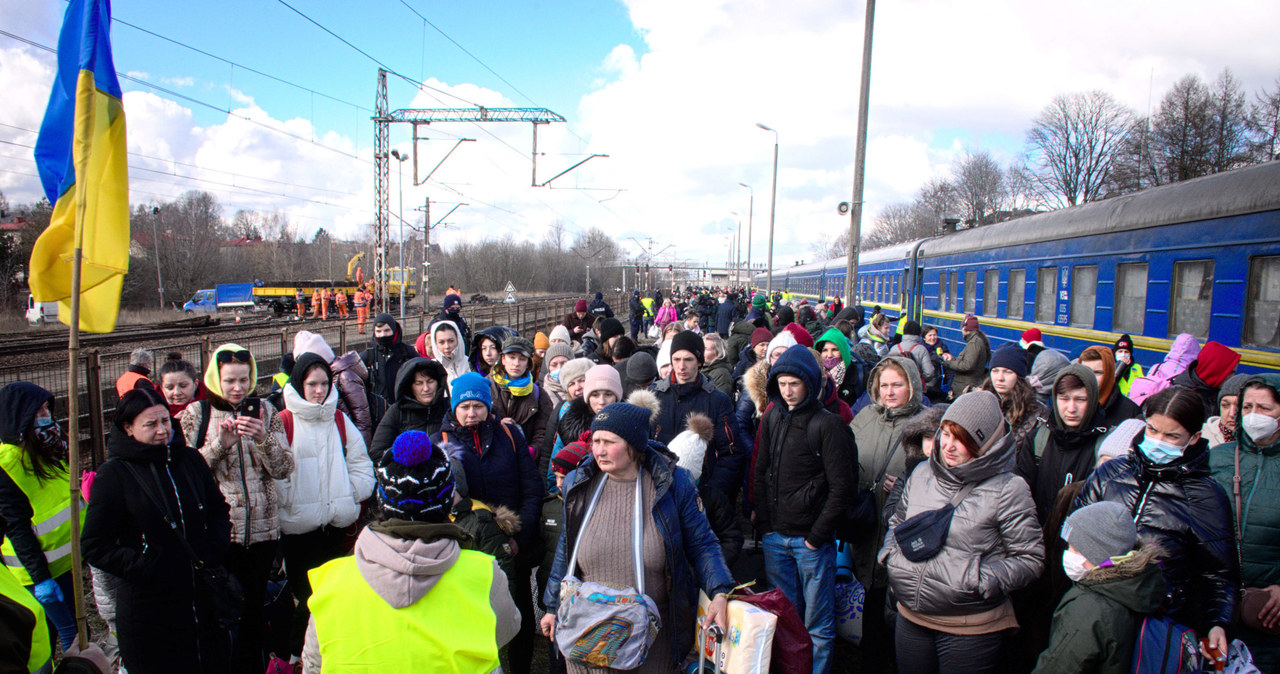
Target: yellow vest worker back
(451, 630)
(12, 591)
(51, 515)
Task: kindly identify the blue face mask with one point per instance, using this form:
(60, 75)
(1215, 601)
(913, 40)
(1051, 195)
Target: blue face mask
(1160, 452)
(556, 376)
(41, 422)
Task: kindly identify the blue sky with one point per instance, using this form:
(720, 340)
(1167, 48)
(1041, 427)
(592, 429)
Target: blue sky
(670, 90)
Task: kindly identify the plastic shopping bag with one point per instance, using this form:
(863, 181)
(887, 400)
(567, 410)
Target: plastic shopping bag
(747, 646)
(850, 604)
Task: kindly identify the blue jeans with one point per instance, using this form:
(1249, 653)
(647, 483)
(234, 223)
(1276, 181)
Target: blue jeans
(63, 614)
(808, 578)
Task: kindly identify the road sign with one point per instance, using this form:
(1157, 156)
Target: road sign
(511, 298)
(511, 288)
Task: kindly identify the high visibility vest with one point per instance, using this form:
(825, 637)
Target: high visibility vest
(451, 629)
(41, 648)
(128, 381)
(280, 378)
(51, 515)
(648, 306)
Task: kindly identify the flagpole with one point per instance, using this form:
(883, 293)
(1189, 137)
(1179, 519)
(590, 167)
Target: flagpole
(73, 372)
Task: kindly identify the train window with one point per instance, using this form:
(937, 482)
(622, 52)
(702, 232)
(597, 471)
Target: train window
(1017, 295)
(970, 292)
(1192, 298)
(1262, 304)
(955, 291)
(991, 292)
(1130, 310)
(1046, 294)
(1084, 296)
(895, 288)
(944, 292)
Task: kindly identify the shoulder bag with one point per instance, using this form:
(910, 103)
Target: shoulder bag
(922, 537)
(1252, 599)
(598, 626)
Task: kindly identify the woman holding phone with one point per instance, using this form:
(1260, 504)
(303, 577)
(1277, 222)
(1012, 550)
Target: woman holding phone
(243, 441)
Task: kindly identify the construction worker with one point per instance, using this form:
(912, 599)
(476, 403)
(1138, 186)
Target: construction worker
(359, 277)
(362, 307)
(341, 300)
(316, 299)
(326, 296)
(301, 301)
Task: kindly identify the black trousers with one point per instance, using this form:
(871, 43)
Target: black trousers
(251, 565)
(520, 650)
(302, 553)
(926, 651)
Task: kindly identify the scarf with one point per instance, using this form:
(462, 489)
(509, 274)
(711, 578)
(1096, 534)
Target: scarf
(518, 387)
(175, 410)
(1228, 435)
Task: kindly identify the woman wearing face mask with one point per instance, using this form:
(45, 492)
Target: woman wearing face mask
(1254, 459)
(448, 348)
(1166, 485)
(954, 607)
(35, 502)
(1127, 369)
(1222, 429)
(246, 454)
(572, 416)
(557, 355)
(164, 620)
(422, 402)
(332, 475)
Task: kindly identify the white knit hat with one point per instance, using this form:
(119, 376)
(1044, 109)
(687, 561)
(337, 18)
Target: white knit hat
(783, 339)
(309, 342)
(690, 446)
(664, 355)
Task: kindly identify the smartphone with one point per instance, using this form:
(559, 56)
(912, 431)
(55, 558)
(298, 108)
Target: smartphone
(251, 407)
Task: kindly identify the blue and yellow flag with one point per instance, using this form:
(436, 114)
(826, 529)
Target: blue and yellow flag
(80, 155)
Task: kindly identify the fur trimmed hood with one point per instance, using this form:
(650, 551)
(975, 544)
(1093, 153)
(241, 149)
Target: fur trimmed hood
(506, 518)
(756, 384)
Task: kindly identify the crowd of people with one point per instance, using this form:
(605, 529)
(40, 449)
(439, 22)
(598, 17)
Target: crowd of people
(481, 502)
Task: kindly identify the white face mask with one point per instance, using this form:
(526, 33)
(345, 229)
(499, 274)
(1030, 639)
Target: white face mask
(1073, 565)
(1259, 426)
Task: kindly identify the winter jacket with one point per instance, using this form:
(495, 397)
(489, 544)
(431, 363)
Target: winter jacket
(456, 365)
(725, 312)
(720, 374)
(1119, 408)
(970, 367)
(403, 561)
(384, 362)
(635, 309)
(746, 359)
(329, 479)
(750, 407)
(551, 526)
(1096, 623)
(994, 545)
(666, 314)
(876, 431)
(571, 322)
(125, 534)
(739, 339)
(20, 405)
(530, 412)
(724, 522)
(1179, 506)
(723, 466)
(913, 346)
(565, 424)
(599, 308)
(694, 559)
(1259, 520)
(869, 336)
(1056, 455)
(246, 472)
(490, 529)
(1208, 394)
(800, 489)
(407, 414)
(351, 378)
(506, 476)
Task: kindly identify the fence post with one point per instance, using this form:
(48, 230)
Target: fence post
(284, 342)
(342, 337)
(422, 323)
(206, 350)
(97, 434)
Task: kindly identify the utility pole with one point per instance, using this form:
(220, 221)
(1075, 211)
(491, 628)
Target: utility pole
(859, 163)
(773, 209)
(751, 216)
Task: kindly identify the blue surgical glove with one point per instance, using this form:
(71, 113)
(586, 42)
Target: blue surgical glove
(48, 592)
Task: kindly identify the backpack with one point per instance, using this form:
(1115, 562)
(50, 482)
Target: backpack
(286, 418)
(1162, 646)
(929, 384)
(1152, 383)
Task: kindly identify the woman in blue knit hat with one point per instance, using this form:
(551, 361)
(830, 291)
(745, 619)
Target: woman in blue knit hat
(679, 552)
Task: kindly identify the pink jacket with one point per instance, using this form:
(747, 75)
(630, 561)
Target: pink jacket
(666, 314)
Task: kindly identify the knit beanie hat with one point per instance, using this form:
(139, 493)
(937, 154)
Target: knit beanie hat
(1232, 386)
(784, 340)
(609, 327)
(309, 342)
(580, 306)
(970, 322)
(802, 336)
(574, 369)
(602, 378)
(451, 301)
(690, 446)
(572, 455)
(760, 336)
(664, 355)
(1010, 357)
(688, 340)
(415, 481)
(1031, 336)
(1125, 342)
(1101, 531)
(471, 386)
(627, 421)
(641, 369)
(759, 302)
(540, 341)
(978, 413)
(1215, 363)
(560, 334)
(1120, 440)
(557, 350)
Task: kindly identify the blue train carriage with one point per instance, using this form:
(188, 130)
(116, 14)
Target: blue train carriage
(1201, 257)
(882, 279)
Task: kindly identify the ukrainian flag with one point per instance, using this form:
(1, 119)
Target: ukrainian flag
(80, 155)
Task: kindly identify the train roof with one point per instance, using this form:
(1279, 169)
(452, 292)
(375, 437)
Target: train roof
(1246, 190)
(899, 251)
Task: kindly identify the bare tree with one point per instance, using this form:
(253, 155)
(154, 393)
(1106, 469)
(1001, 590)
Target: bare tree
(1229, 124)
(1071, 146)
(825, 247)
(1182, 132)
(979, 187)
(1264, 124)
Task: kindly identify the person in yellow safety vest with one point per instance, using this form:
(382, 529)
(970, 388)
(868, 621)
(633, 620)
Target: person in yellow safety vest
(35, 502)
(411, 598)
(24, 638)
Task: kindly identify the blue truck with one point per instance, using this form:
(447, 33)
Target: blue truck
(224, 297)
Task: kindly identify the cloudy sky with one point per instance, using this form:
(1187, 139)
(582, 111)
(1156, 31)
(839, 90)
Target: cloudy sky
(671, 90)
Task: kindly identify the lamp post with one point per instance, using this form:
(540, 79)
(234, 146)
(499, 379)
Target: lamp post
(773, 208)
(751, 213)
(400, 188)
(155, 241)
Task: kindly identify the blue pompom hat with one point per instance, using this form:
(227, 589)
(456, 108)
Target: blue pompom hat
(414, 479)
(627, 421)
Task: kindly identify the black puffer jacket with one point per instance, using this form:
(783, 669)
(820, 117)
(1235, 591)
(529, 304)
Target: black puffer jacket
(407, 414)
(383, 362)
(506, 475)
(1182, 508)
(1068, 454)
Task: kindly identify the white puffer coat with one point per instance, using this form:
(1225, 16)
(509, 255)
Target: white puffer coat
(329, 480)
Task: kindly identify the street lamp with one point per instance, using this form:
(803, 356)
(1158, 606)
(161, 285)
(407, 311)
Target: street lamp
(155, 241)
(400, 159)
(773, 208)
(751, 212)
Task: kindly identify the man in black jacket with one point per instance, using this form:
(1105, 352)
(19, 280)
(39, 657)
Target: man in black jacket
(636, 315)
(383, 359)
(726, 311)
(805, 479)
(599, 308)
